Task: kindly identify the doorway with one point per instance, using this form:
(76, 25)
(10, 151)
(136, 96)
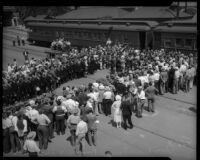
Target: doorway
(142, 37)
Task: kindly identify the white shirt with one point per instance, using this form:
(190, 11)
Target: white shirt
(143, 79)
(141, 95)
(33, 114)
(14, 121)
(81, 128)
(9, 69)
(183, 68)
(177, 74)
(91, 95)
(156, 76)
(63, 108)
(107, 95)
(69, 104)
(146, 79)
(96, 95)
(31, 146)
(89, 104)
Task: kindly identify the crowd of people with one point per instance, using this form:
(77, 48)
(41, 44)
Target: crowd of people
(60, 44)
(135, 78)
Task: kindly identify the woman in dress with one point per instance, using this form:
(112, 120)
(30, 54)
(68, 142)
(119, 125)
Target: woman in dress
(117, 111)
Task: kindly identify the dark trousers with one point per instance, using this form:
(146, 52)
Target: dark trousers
(15, 142)
(134, 103)
(60, 125)
(6, 141)
(162, 88)
(43, 135)
(107, 106)
(73, 136)
(51, 131)
(187, 85)
(127, 118)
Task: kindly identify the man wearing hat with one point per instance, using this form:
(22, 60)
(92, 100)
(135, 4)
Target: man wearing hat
(126, 109)
(30, 145)
(92, 127)
(108, 97)
(59, 111)
(33, 114)
(100, 98)
(72, 122)
(141, 101)
(163, 80)
(150, 92)
(176, 80)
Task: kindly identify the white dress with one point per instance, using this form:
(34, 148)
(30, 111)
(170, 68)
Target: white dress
(117, 114)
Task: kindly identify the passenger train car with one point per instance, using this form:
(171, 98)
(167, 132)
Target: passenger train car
(90, 30)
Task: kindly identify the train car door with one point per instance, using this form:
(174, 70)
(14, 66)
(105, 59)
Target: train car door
(142, 37)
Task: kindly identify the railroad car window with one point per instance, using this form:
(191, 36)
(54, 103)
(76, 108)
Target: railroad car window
(179, 42)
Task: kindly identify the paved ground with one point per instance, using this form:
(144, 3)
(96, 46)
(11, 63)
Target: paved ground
(170, 131)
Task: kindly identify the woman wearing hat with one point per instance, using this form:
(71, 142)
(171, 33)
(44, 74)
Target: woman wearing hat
(117, 112)
(30, 145)
(72, 122)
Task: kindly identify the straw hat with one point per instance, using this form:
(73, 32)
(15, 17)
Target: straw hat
(32, 102)
(31, 135)
(118, 98)
(101, 87)
(140, 87)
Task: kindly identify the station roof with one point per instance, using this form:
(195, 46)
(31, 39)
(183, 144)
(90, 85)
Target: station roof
(38, 17)
(192, 21)
(155, 12)
(94, 13)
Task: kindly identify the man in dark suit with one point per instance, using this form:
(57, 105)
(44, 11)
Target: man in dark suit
(163, 80)
(150, 92)
(126, 110)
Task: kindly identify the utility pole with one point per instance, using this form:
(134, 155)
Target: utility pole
(185, 6)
